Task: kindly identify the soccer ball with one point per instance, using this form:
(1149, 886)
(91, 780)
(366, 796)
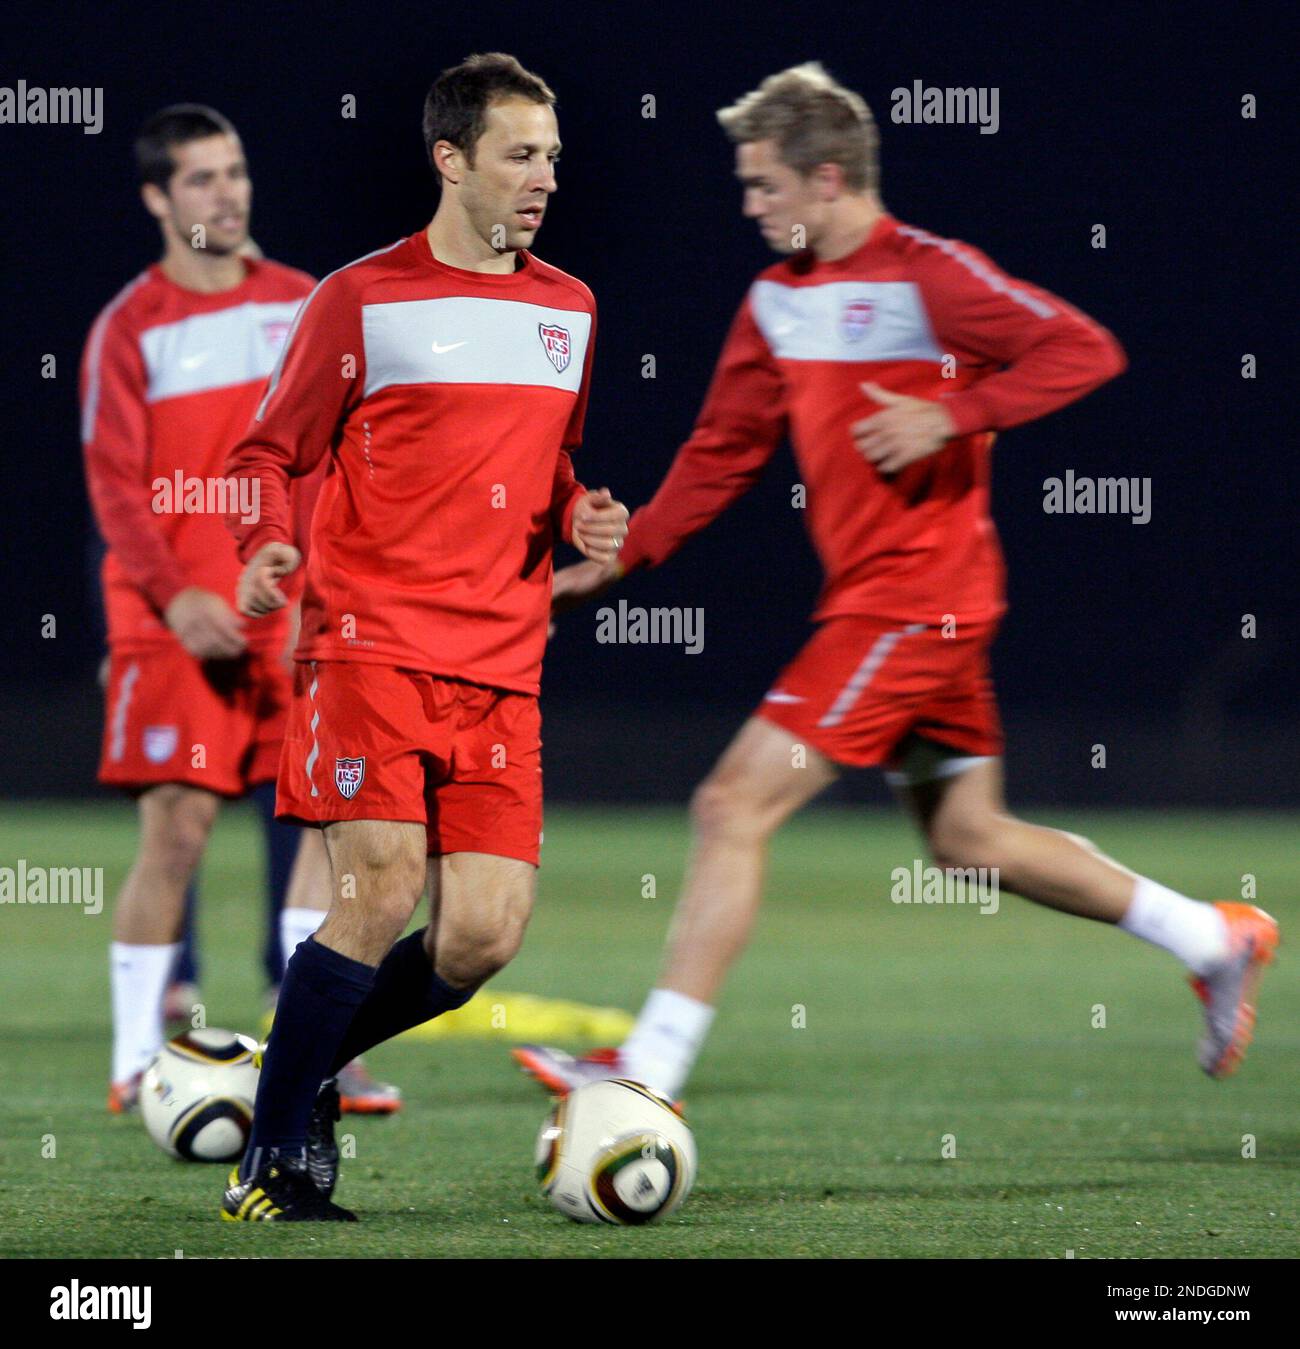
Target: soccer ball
(615, 1152)
(196, 1096)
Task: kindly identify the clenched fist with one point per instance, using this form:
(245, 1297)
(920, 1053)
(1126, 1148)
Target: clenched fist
(599, 525)
(258, 591)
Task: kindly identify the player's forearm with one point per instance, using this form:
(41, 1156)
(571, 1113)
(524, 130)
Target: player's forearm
(271, 520)
(738, 429)
(131, 529)
(693, 495)
(303, 495)
(1057, 371)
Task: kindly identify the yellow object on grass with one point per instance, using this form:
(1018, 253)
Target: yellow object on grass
(520, 1017)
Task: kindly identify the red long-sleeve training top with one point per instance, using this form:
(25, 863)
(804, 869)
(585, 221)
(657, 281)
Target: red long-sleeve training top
(448, 402)
(918, 315)
(169, 379)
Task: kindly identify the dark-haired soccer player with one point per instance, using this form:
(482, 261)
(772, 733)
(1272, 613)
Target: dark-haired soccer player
(846, 345)
(196, 701)
(446, 379)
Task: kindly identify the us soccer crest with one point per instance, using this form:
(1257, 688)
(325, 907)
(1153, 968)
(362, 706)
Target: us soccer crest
(276, 330)
(160, 743)
(555, 342)
(856, 319)
(349, 774)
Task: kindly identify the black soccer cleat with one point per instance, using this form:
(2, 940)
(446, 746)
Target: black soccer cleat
(322, 1150)
(279, 1192)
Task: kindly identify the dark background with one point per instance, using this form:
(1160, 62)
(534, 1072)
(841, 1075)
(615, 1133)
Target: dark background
(1126, 116)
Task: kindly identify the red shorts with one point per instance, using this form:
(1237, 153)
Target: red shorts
(861, 686)
(215, 724)
(371, 742)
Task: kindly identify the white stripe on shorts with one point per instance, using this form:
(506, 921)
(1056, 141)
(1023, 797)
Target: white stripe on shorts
(117, 724)
(865, 673)
(315, 721)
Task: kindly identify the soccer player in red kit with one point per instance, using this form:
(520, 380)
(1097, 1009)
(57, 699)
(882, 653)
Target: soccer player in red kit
(445, 378)
(891, 356)
(196, 697)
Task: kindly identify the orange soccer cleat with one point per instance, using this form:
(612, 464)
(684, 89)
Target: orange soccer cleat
(1228, 990)
(123, 1097)
(360, 1094)
(561, 1073)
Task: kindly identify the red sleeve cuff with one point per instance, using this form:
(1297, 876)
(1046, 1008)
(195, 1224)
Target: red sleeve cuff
(968, 413)
(633, 556)
(566, 518)
(163, 591)
(263, 534)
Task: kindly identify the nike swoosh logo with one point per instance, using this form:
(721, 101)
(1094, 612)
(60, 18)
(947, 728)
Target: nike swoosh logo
(193, 362)
(442, 351)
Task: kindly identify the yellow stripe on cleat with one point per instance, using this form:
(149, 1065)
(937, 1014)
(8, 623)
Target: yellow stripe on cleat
(252, 1197)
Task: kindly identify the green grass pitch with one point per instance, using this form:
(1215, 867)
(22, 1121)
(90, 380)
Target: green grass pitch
(820, 1139)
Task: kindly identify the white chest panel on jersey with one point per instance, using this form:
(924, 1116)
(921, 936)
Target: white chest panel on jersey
(213, 351)
(844, 321)
(465, 339)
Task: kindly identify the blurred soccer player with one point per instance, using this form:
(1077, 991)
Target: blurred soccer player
(445, 377)
(281, 847)
(844, 345)
(196, 702)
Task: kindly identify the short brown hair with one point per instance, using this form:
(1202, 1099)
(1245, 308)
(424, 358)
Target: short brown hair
(455, 108)
(176, 125)
(814, 120)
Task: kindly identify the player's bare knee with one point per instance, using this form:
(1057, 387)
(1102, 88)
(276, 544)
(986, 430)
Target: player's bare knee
(389, 910)
(378, 852)
(466, 959)
(968, 840)
(372, 904)
(366, 926)
(385, 894)
(179, 852)
(723, 806)
(379, 867)
(178, 823)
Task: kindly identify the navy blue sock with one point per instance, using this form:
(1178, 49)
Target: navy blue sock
(187, 958)
(281, 847)
(406, 993)
(319, 996)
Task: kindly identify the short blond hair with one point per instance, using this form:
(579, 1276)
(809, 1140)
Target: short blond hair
(814, 120)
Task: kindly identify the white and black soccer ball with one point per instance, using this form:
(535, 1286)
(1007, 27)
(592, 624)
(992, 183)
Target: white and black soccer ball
(197, 1094)
(615, 1152)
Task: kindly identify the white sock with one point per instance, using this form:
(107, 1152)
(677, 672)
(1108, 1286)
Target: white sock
(1193, 931)
(666, 1040)
(139, 976)
(296, 925)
